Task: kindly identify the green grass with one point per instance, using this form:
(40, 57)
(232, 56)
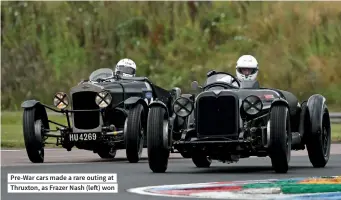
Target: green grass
(297, 44)
(12, 136)
(336, 132)
(12, 130)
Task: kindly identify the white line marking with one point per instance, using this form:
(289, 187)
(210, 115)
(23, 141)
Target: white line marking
(141, 191)
(241, 196)
(247, 194)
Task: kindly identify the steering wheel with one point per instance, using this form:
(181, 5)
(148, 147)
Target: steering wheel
(223, 84)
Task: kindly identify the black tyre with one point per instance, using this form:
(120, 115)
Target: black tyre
(134, 133)
(318, 144)
(200, 159)
(107, 153)
(280, 138)
(158, 140)
(33, 127)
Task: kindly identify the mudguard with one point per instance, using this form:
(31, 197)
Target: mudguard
(279, 101)
(132, 101)
(159, 103)
(39, 109)
(316, 105)
(29, 103)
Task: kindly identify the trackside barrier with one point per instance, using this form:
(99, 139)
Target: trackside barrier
(335, 118)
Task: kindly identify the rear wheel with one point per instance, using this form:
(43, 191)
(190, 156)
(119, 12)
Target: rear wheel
(134, 133)
(158, 139)
(33, 128)
(280, 138)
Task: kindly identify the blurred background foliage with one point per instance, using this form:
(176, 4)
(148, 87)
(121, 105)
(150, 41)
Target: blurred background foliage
(50, 46)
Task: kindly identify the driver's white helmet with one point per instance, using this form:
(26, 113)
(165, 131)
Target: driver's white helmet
(125, 67)
(247, 68)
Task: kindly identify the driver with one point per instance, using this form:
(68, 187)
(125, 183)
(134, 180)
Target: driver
(247, 68)
(125, 67)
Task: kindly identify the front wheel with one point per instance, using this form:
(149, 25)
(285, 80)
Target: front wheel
(33, 128)
(318, 144)
(280, 138)
(134, 133)
(158, 139)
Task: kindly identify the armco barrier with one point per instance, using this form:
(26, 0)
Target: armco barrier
(335, 118)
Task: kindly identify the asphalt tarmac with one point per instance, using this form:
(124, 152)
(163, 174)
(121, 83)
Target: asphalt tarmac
(130, 175)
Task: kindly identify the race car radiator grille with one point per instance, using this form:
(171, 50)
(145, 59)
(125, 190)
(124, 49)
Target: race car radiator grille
(217, 116)
(86, 119)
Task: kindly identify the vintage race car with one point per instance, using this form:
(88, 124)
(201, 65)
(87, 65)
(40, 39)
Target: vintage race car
(107, 113)
(229, 120)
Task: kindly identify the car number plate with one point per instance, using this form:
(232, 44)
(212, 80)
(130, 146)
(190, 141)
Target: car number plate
(82, 136)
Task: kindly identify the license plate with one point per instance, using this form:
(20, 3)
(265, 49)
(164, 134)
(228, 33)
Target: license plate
(83, 136)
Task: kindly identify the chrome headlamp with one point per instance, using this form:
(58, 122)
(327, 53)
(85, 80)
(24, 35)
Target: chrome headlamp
(60, 100)
(183, 106)
(103, 99)
(252, 105)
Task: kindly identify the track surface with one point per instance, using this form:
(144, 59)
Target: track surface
(139, 175)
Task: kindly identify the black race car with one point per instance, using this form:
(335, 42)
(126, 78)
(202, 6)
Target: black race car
(107, 113)
(229, 120)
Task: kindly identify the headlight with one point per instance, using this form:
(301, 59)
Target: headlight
(60, 100)
(252, 105)
(183, 107)
(103, 99)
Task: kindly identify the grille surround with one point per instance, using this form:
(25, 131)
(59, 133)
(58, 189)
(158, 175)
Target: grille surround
(86, 120)
(217, 115)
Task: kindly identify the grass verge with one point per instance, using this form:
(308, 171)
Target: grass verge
(12, 130)
(12, 134)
